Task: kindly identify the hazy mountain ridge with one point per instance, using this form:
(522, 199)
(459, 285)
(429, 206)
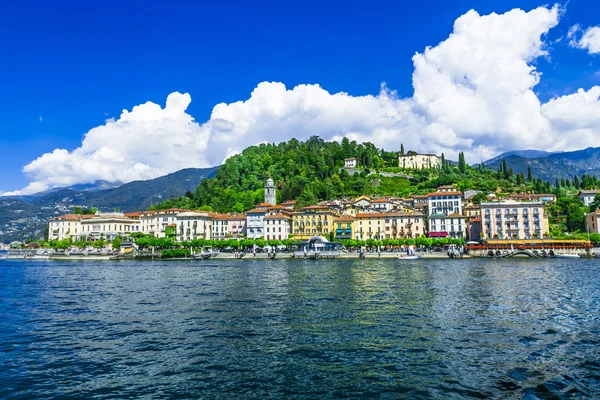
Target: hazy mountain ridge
(555, 165)
(27, 216)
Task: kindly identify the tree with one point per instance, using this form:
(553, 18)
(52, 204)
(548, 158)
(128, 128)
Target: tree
(462, 165)
(529, 175)
(595, 206)
(576, 182)
(401, 149)
(479, 198)
(116, 243)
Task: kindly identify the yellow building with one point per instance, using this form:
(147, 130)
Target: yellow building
(311, 221)
(400, 225)
(344, 227)
(369, 226)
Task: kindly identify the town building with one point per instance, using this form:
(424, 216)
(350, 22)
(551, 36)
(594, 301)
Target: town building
(400, 225)
(369, 226)
(587, 196)
(545, 197)
(192, 225)
(418, 161)
(237, 226)
(350, 162)
(445, 217)
(592, 222)
(159, 222)
(277, 226)
(472, 211)
(65, 226)
(108, 226)
(255, 223)
(220, 226)
(474, 229)
(382, 205)
(312, 221)
(270, 192)
(512, 219)
(289, 204)
(343, 227)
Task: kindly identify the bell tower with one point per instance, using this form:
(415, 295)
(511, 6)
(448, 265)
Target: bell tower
(270, 194)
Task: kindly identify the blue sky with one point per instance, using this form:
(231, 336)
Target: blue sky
(68, 66)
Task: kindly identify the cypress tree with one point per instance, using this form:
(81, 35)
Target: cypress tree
(462, 165)
(505, 168)
(576, 182)
(401, 148)
(557, 184)
(529, 176)
(568, 182)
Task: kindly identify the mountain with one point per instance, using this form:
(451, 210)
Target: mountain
(520, 153)
(27, 216)
(555, 165)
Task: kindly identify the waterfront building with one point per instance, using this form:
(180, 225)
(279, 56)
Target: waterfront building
(587, 196)
(513, 219)
(344, 227)
(592, 222)
(156, 222)
(255, 223)
(444, 208)
(220, 226)
(277, 226)
(350, 162)
(193, 225)
(270, 192)
(369, 226)
(65, 226)
(236, 226)
(474, 229)
(419, 161)
(108, 226)
(400, 225)
(311, 221)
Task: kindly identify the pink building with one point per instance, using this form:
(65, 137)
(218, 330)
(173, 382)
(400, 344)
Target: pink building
(512, 219)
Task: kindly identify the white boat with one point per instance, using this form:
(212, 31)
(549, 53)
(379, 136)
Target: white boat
(408, 257)
(559, 255)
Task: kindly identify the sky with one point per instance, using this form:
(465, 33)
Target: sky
(127, 90)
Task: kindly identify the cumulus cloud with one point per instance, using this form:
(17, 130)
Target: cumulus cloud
(473, 92)
(589, 40)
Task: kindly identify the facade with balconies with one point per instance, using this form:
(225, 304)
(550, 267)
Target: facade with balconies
(513, 220)
(344, 227)
(193, 225)
(369, 226)
(445, 213)
(401, 225)
(312, 221)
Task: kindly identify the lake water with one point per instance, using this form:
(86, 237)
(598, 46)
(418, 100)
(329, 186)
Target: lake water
(300, 329)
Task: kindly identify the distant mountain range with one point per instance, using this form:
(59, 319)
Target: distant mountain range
(550, 166)
(27, 216)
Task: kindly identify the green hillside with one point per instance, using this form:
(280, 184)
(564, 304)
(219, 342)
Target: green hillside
(313, 170)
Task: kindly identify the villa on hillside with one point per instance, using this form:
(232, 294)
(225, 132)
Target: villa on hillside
(418, 161)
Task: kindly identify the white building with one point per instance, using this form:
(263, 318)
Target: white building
(220, 226)
(592, 222)
(65, 226)
(588, 196)
(445, 217)
(255, 226)
(193, 225)
(109, 225)
(382, 205)
(419, 161)
(277, 226)
(155, 222)
(270, 192)
(350, 162)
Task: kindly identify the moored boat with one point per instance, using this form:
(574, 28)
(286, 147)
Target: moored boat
(414, 257)
(566, 255)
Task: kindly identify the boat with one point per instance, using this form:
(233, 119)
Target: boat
(202, 256)
(408, 257)
(566, 255)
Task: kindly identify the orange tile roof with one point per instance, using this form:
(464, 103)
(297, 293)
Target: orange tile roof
(444, 194)
(344, 219)
(403, 214)
(370, 215)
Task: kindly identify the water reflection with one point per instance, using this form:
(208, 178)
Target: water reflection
(255, 329)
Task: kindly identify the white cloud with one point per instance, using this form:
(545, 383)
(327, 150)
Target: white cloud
(473, 92)
(590, 38)
(40, 118)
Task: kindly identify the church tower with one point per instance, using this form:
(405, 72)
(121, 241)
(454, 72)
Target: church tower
(270, 194)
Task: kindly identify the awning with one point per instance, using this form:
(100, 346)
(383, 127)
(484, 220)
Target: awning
(438, 234)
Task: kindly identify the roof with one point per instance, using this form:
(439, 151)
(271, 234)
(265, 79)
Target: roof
(315, 208)
(380, 201)
(444, 194)
(370, 215)
(289, 202)
(74, 217)
(133, 214)
(346, 218)
(403, 214)
(257, 211)
(590, 191)
(277, 216)
(264, 205)
(351, 158)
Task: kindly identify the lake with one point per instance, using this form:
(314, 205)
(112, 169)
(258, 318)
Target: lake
(300, 329)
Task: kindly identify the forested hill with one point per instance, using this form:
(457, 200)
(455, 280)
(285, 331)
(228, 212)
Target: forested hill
(314, 170)
(304, 171)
